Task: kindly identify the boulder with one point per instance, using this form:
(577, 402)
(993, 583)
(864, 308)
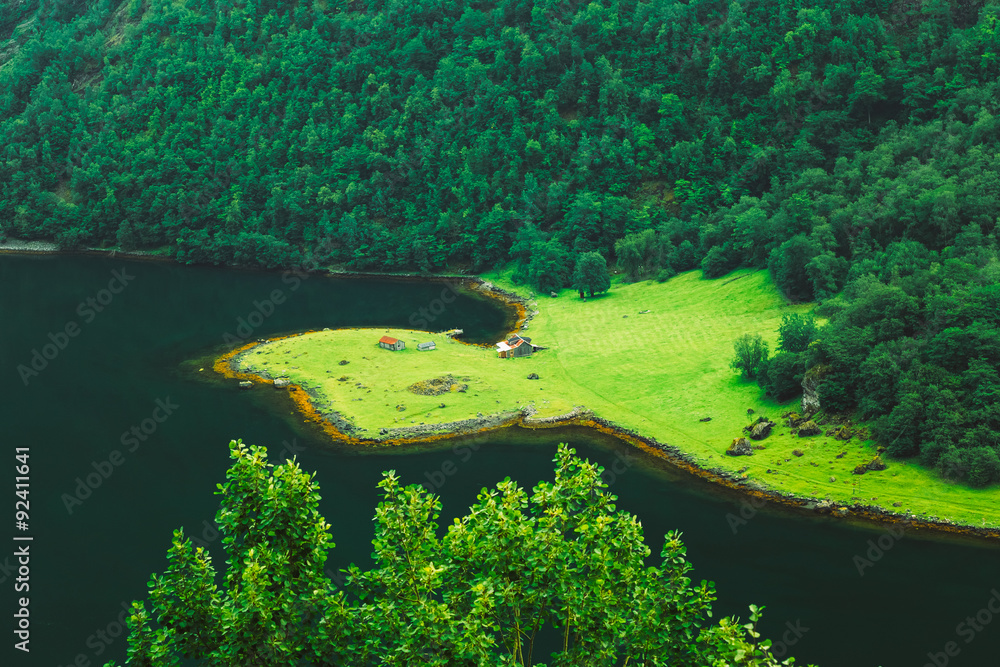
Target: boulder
(705, 419)
(877, 464)
(533, 376)
(246, 384)
(344, 362)
(740, 447)
(798, 452)
(761, 430)
(809, 428)
(860, 470)
(281, 383)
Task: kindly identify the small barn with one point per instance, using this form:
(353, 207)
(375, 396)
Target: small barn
(390, 343)
(515, 346)
(426, 346)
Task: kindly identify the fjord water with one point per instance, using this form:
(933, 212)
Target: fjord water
(93, 549)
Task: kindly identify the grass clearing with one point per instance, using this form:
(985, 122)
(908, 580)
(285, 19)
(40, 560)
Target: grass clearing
(657, 373)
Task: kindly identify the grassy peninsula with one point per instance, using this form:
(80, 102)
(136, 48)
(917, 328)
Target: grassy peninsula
(650, 357)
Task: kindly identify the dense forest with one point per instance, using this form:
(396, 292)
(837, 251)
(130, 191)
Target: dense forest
(847, 146)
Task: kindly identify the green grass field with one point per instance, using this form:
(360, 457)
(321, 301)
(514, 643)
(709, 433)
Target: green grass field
(656, 373)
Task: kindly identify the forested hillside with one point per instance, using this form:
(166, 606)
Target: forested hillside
(848, 146)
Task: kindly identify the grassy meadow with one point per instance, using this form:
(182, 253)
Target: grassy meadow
(651, 357)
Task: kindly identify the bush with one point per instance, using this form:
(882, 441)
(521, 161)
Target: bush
(684, 257)
(665, 274)
(984, 466)
(781, 376)
(716, 263)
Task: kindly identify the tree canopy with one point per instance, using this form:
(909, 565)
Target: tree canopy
(560, 566)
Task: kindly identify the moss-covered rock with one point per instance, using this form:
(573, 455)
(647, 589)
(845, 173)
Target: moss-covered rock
(809, 428)
(877, 464)
(761, 430)
(841, 433)
(740, 447)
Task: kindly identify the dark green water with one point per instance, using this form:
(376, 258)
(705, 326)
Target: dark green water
(108, 378)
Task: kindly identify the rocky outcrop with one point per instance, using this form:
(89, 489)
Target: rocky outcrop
(810, 388)
(281, 383)
(246, 384)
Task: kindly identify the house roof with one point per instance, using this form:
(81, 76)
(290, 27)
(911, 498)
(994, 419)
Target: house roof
(388, 340)
(503, 346)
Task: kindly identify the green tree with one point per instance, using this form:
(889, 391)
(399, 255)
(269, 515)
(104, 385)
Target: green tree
(750, 355)
(796, 332)
(591, 274)
(562, 558)
(549, 267)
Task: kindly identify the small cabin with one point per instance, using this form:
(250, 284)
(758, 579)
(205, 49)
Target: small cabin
(515, 346)
(426, 346)
(390, 343)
